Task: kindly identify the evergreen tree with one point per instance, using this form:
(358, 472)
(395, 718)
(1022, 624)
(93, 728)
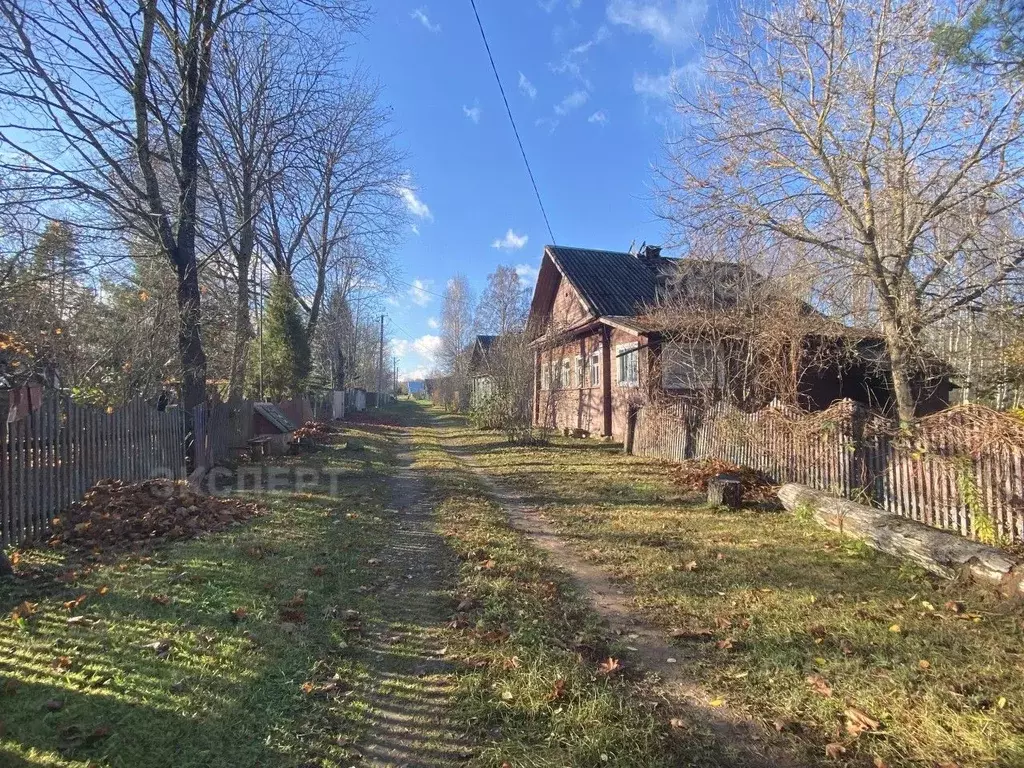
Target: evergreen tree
(286, 355)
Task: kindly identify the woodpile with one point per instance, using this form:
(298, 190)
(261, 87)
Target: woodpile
(117, 516)
(946, 554)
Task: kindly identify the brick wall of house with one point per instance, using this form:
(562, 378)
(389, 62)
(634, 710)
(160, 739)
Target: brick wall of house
(567, 310)
(582, 407)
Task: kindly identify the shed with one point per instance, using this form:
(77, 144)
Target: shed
(272, 426)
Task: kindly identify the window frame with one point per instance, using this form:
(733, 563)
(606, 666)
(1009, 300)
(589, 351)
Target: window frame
(623, 353)
(594, 365)
(711, 378)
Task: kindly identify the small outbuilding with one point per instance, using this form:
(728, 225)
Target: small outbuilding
(272, 429)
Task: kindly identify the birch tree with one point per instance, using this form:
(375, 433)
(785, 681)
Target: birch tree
(893, 174)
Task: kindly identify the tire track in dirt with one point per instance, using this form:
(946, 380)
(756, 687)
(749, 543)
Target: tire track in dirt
(411, 690)
(742, 741)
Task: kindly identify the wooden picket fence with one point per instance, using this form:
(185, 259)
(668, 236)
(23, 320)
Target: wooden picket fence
(961, 470)
(51, 457)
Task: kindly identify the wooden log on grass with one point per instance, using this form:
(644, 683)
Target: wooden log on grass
(946, 554)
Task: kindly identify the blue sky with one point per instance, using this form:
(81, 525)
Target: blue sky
(589, 85)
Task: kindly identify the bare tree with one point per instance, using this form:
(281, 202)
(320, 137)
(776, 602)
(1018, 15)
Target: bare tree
(265, 87)
(335, 207)
(457, 331)
(504, 304)
(108, 109)
(892, 174)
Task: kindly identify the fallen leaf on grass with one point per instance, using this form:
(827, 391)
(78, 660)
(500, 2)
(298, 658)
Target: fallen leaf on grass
(924, 664)
(858, 721)
(835, 750)
(716, 703)
(61, 663)
(24, 610)
(238, 614)
(954, 606)
(70, 605)
(317, 570)
(725, 645)
(896, 628)
(609, 666)
(879, 763)
(102, 590)
(160, 599)
(54, 705)
(557, 691)
(820, 685)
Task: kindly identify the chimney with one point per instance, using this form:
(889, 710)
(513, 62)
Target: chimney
(649, 255)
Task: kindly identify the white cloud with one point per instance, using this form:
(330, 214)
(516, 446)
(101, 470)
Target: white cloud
(672, 22)
(432, 323)
(526, 86)
(574, 59)
(416, 207)
(400, 347)
(510, 242)
(574, 100)
(419, 292)
(427, 346)
(527, 273)
(664, 86)
(420, 14)
(415, 374)
(546, 122)
(473, 113)
(415, 229)
(598, 117)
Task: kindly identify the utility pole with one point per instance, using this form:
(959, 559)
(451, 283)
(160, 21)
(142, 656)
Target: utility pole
(394, 375)
(380, 364)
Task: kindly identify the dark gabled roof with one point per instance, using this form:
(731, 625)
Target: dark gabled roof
(611, 282)
(486, 341)
(275, 416)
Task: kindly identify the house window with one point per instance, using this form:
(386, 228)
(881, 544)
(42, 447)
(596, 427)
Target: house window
(595, 368)
(628, 356)
(691, 365)
(545, 375)
(566, 381)
(580, 381)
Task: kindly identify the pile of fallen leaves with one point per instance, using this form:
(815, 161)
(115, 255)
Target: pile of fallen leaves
(693, 476)
(318, 431)
(372, 417)
(114, 515)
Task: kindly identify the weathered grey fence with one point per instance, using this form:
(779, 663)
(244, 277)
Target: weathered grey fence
(49, 458)
(962, 470)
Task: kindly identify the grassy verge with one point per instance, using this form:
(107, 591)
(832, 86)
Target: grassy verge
(784, 620)
(234, 649)
(531, 685)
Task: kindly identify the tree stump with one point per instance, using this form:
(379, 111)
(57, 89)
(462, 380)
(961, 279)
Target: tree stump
(725, 490)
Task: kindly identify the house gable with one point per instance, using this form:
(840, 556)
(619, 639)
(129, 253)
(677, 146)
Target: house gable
(556, 300)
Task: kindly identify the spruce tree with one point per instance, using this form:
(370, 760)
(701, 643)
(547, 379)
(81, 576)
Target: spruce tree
(286, 356)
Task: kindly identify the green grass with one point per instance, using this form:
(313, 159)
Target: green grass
(946, 683)
(227, 692)
(530, 687)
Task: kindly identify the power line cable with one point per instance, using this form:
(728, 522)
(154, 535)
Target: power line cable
(512, 120)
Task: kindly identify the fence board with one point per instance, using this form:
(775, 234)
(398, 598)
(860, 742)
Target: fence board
(855, 455)
(52, 456)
